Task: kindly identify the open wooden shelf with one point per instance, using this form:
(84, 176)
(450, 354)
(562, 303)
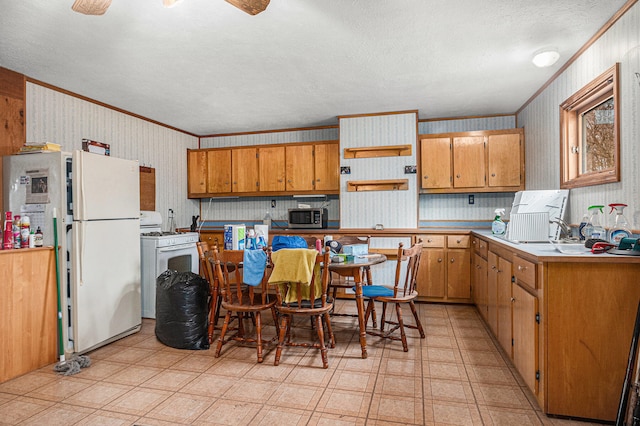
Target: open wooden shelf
(378, 151)
(378, 185)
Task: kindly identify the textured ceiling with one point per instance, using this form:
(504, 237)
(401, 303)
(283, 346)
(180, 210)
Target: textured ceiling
(206, 67)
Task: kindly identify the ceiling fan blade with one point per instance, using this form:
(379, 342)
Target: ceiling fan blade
(252, 7)
(91, 7)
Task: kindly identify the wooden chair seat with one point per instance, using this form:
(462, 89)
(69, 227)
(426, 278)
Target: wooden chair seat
(241, 301)
(317, 307)
(403, 291)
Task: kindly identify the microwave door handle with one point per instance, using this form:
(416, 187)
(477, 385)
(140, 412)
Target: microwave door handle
(174, 248)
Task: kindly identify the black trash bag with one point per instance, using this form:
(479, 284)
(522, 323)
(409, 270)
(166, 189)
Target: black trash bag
(182, 310)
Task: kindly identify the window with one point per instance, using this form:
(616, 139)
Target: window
(590, 133)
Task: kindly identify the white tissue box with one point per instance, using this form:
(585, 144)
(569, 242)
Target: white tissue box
(355, 249)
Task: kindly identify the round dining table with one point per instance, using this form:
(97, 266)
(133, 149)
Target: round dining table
(354, 268)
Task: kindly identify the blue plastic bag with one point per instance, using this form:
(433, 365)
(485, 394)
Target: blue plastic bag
(287, 241)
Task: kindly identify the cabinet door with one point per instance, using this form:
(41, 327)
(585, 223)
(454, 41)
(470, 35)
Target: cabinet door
(219, 171)
(504, 160)
(480, 285)
(525, 336)
(244, 170)
(504, 305)
(468, 162)
(327, 167)
(299, 167)
(458, 274)
(492, 292)
(435, 163)
(431, 281)
(213, 239)
(271, 160)
(196, 172)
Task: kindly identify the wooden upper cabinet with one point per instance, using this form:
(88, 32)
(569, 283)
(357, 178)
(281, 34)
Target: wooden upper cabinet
(219, 170)
(244, 169)
(468, 162)
(260, 170)
(271, 166)
(435, 162)
(327, 167)
(504, 160)
(197, 172)
(478, 161)
(299, 167)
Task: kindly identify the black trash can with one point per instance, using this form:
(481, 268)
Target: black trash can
(182, 310)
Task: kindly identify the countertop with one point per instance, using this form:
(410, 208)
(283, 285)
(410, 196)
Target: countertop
(546, 252)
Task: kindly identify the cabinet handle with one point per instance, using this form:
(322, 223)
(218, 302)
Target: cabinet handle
(499, 270)
(458, 176)
(426, 177)
(458, 241)
(439, 260)
(493, 267)
(452, 260)
(429, 240)
(493, 175)
(474, 242)
(513, 299)
(521, 268)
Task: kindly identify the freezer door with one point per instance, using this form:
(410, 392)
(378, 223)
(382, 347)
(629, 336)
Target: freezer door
(105, 289)
(105, 187)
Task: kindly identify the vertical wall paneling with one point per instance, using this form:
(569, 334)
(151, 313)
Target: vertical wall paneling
(57, 117)
(392, 209)
(621, 43)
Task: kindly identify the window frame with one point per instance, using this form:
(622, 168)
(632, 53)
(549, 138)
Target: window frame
(597, 91)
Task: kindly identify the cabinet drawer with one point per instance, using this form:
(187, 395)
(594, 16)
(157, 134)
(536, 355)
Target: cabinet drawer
(524, 271)
(480, 247)
(431, 240)
(458, 241)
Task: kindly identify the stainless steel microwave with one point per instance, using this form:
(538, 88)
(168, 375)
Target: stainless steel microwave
(308, 218)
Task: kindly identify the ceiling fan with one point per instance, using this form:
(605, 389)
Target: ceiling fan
(99, 7)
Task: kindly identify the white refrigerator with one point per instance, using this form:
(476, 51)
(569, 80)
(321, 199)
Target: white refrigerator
(97, 203)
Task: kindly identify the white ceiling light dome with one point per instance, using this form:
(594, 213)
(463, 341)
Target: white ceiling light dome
(546, 57)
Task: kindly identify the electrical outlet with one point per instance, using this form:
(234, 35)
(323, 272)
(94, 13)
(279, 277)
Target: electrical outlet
(471, 199)
(409, 170)
(273, 203)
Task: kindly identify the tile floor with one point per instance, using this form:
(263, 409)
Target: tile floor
(455, 376)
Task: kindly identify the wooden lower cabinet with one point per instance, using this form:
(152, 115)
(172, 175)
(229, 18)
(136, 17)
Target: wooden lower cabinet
(445, 268)
(213, 239)
(571, 322)
(28, 306)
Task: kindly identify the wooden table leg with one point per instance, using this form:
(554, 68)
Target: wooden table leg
(357, 277)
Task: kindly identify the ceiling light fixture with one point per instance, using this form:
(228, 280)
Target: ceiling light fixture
(170, 3)
(91, 7)
(545, 57)
(252, 7)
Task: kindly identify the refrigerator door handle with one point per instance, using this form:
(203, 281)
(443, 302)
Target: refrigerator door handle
(78, 250)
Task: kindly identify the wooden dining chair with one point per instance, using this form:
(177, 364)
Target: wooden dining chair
(206, 271)
(403, 292)
(242, 301)
(302, 298)
(337, 281)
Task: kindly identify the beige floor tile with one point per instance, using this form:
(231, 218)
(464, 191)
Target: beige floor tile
(109, 418)
(500, 395)
(483, 358)
(448, 390)
(452, 355)
(21, 408)
(494, 416)
(229, 412)
(401, 367)
(444, 370)
(439, 341)
(231, 367)
(133, 375)
(310, 375)
(60, 388)
(476, 344)
(27, 383)
(210, 385)
(277, 416)
(162, 359)
(181, 408)
(452, 413)
(405, 386)
(366, 365)
(131, 340)
(477, 332)
(129, 355)
(150, 342)
(100, 369)
(138, 401)
(488, 374)
(98, 395)
(196, 363)
(59, 414)
(251, 390)
(397, 409)
(353, 381)
(267, 371)
(302, 397)
(104, 352)
(328, 419)
(170, 380)
(348, 403)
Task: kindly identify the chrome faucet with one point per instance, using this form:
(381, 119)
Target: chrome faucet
(565, 229)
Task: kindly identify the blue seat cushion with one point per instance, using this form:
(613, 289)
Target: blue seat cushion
(375, 291)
